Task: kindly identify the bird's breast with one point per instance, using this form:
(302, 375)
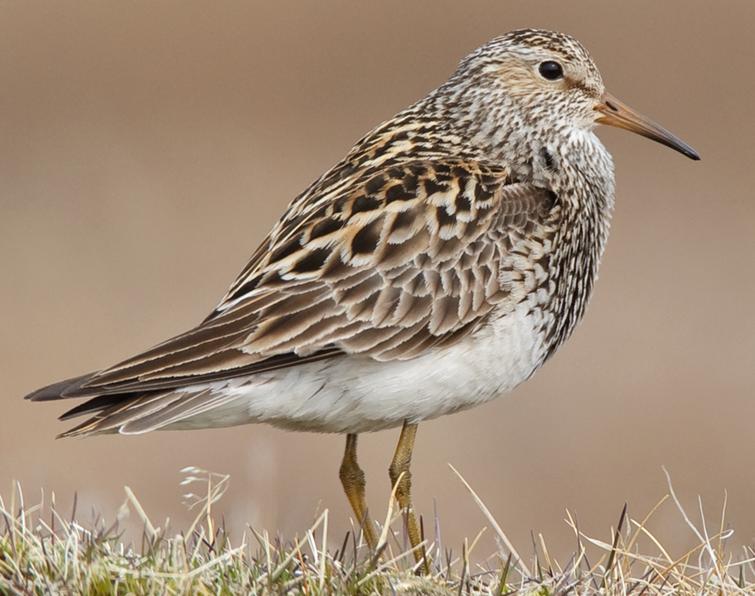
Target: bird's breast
(552, 270)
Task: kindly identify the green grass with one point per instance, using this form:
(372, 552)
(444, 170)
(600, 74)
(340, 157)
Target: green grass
(43, 551)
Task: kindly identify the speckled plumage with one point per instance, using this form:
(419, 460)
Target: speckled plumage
(462, 236)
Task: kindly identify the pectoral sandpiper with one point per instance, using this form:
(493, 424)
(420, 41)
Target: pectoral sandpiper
(435, 267)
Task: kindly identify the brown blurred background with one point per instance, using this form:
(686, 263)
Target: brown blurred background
(145, 148)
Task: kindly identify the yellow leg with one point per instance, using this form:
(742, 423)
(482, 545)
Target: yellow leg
(401, 480)
(352, 479)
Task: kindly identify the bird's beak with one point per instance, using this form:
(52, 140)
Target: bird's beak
(615, 113)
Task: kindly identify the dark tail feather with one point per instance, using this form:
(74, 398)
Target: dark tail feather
(99, 405)
(96, 404)
(59, 390)
(85, 429)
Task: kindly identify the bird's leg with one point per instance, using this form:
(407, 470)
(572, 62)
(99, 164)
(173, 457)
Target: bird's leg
(401, 481)
(352, 479)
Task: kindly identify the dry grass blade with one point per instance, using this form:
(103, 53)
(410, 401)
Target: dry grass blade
(616, 537)
(489, 516)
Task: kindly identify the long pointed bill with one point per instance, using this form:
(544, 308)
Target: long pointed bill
(616, 113)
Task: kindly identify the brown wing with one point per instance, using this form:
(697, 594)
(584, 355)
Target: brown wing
(406, 259)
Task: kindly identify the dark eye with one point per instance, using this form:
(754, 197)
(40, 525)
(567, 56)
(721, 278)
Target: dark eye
(551, 70)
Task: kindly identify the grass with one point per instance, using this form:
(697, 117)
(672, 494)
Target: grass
(44, 551)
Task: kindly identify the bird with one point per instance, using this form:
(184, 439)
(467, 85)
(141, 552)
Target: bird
(437, 266)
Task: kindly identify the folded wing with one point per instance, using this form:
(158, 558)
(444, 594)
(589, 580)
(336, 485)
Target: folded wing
(387, 264)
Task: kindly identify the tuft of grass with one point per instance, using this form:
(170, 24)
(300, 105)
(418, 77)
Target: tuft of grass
(43, 551)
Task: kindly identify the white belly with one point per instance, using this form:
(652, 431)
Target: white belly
(350, 394)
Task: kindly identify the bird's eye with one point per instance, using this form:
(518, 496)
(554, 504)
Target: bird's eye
(551, 70)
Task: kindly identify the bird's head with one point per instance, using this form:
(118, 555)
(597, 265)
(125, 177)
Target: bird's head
(550, 80)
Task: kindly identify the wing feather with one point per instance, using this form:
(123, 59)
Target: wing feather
(396, 262)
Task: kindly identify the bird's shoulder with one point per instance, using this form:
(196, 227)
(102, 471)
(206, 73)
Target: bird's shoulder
(367, 206)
